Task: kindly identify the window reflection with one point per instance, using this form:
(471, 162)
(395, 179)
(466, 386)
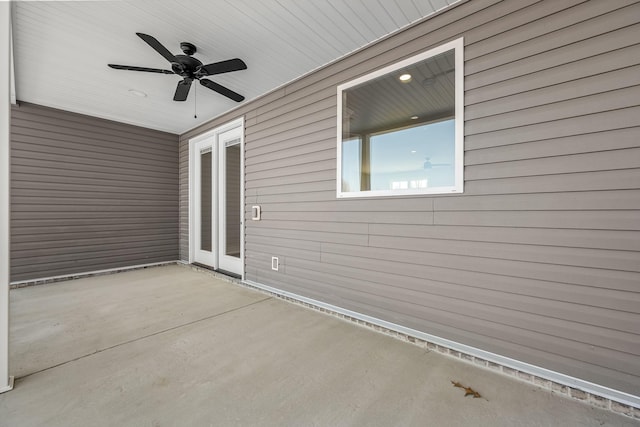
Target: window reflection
(422, 156)
(351, 161)
(417, 157)
(398, 128)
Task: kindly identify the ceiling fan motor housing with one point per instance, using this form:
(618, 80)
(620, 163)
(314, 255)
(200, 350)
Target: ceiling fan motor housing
(185, 66)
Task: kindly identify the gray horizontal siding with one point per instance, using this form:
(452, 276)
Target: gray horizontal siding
(539, 259)
(89, 194)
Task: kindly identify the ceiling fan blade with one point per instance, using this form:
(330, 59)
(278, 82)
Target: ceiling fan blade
(133, 68)
(227, 66)
(182, 90)
(222, 90)
(158, 47)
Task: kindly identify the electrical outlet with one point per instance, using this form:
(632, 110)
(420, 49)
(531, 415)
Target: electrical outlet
(274, 263)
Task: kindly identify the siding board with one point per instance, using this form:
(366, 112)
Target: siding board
(95, 262)
(74, 198)
(354, 217)
(569, 238)
(590, 66)
(35, 146)
(602, 160)
(325, 102)
(605, 279)
(89, 194)
(582, 257)
(606, 101)
(98, 183)
(321, 140)
(307, 153)
(589, 143)
(597, 122)
(78, 238)
(322, 185)
(79, 170)
(312, 236)
(388, 205)
(445, 280)
(97, 125)
(541, 253)
(48, 186)
(300, 168)
(311, 196)
(612, 36)
(292, 146)
(329, 227)
(275, 140)
(284, 242)
(522, 25)
(301, 177)
(617, 79)
(585, 200)
(282, 251)
(318, 120)
(43, 251)
(84, 137)
(590, 220)
(585, 181)
(596, 24)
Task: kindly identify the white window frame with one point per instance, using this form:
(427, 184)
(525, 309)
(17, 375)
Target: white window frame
(458, 47)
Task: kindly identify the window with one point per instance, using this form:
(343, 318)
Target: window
(400, 129)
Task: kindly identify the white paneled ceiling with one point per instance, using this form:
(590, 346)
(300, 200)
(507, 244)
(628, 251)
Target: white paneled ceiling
(62, 48)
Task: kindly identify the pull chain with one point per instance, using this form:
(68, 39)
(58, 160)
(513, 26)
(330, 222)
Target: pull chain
(195, 100)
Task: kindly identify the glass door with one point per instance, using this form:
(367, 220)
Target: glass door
(217, 201)
(230, 206)
(204, 203)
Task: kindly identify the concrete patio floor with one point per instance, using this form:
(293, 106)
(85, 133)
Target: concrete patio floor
(171, 346)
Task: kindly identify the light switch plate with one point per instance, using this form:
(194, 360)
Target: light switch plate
(255, 213)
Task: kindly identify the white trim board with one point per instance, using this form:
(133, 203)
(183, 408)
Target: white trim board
(6, 381)
(12, 66)
(557, 377)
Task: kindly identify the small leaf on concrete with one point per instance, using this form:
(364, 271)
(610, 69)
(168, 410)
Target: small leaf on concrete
(468, 391)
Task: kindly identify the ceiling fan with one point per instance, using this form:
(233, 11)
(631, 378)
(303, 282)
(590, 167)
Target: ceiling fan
(190, 69)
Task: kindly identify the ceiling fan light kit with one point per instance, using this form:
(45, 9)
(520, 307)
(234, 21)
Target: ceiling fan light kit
(190, 69)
